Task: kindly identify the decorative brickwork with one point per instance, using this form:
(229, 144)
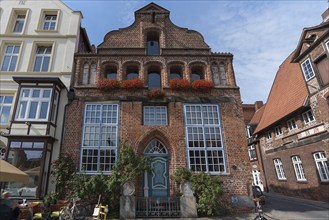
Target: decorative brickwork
(183, 49)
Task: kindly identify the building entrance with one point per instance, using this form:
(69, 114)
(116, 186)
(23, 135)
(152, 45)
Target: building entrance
(156, 182)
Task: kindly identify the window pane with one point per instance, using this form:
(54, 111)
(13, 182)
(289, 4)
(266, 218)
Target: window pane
(45, 64)
(5, 63)
(13, 63)
(22, 109)
(33, 110)
(154, 81)
(36, 93)
(4, 116)
(44, 110)
(37, 64)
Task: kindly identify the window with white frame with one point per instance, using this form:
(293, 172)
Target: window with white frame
(204, 138)
(321, 162)
(278, 131)
(100, 137)
(49, 22)
(308, 117)
(298, 167)
(5, 106)
(252, 152)
(279, 169)
(155, 115)
(268, 135)
(19, 23)
(10, 57)
(292, 124)
(34, 104)
(42, 59)
(308, 70)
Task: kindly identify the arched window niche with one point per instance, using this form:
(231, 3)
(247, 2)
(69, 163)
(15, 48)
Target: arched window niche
(153, 43)
(111, 71)
(175, 72)
(132, 72)
(89, 74)
(197, 72)
(154, 77)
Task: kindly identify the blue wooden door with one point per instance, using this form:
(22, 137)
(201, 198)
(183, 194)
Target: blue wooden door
(158, 178)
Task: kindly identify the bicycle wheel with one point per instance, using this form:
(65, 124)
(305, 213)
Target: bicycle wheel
(80, 212)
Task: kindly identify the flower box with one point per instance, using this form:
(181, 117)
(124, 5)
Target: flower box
(132, 84)
(156, 93)
(202, 85)
(179, 84)
(108, 84)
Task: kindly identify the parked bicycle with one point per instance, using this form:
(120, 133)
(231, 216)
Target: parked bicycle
(73, 211)
(261, 215)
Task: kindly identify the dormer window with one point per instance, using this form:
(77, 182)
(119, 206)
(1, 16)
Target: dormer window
(111, 72)
(152, 43)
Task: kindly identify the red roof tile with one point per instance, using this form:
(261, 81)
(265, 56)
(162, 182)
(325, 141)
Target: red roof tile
(288, 93)
(257, 116)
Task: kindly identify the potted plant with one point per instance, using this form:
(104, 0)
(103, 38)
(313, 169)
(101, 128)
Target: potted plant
(179, 84)
(108, 84)
(156, 93)
(132, 84)
(202, 85)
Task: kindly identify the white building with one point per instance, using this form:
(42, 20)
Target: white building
(38, 40)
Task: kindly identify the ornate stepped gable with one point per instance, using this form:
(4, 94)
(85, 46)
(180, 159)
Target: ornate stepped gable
(156, 18)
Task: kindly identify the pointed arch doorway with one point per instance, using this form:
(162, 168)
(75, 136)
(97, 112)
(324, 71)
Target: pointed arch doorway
(156, 182)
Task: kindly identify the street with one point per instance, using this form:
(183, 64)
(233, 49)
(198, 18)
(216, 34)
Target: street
(280, 207)
(283, 207)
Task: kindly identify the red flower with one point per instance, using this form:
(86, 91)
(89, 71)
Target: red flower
(156, 93)
(179, 84)
(202, 85)
(108, 84)
(132, 84)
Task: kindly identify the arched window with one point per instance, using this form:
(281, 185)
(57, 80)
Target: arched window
(132, 72)
(155, 147)
(197, 73)
(175, 72)
(89, 74)
(111, 72)
(92, 74)
(154, 77)
(152, 43)
(222, 72)
(85, 74)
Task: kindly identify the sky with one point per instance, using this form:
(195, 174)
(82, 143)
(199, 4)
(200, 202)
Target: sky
(260, 33)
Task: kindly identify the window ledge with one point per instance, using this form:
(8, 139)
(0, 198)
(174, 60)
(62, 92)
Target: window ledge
(46, 31)
(302, 181)
(282, 180)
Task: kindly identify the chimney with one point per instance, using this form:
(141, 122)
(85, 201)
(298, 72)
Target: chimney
(325, 15)
(258, 105)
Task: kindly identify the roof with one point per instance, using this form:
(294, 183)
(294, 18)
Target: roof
(257, 116)
(53, 80)
(288, 94)
(322, 31)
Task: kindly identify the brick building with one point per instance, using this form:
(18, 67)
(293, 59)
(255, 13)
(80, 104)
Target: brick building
(294, 128)
(252, 115)
(198, 129)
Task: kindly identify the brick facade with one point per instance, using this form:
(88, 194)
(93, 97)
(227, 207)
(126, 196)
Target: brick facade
(179, 47)
(311, 134)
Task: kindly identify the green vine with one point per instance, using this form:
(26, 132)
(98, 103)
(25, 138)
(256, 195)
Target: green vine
(207, 188)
